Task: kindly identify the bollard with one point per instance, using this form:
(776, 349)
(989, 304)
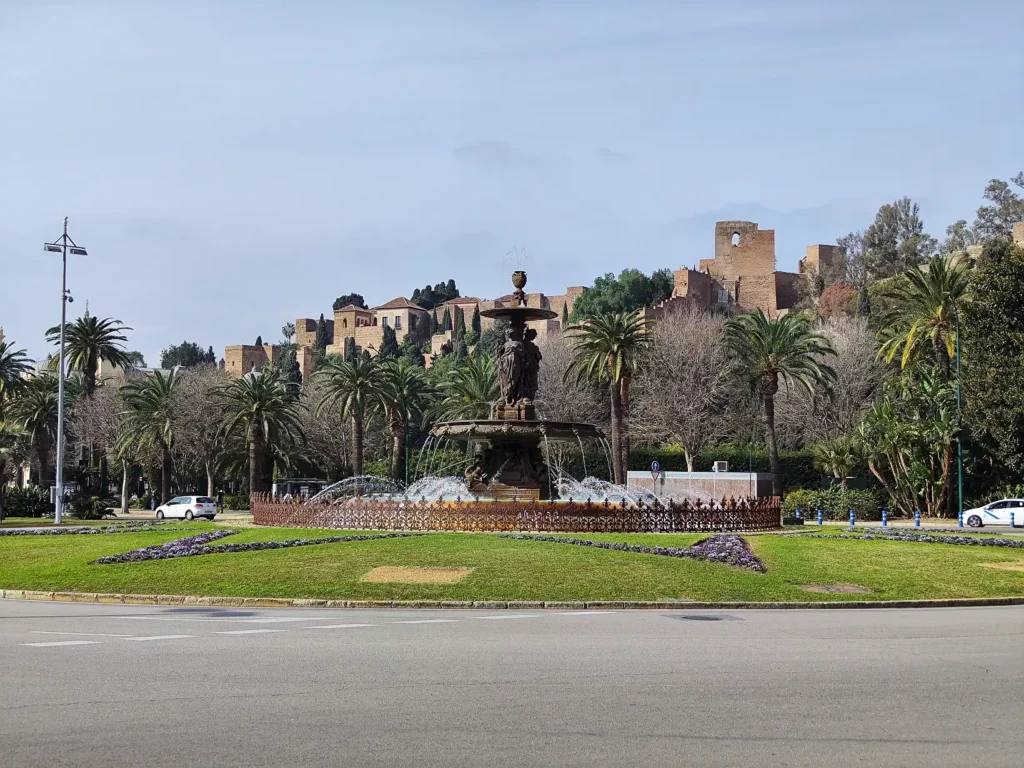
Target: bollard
(917, 518)
(798, 514)
(820, 517)
(959, 519)
(853, 518)
(885, 518)
(1012, 525)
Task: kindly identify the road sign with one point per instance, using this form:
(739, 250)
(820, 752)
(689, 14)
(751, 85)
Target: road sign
(655, 469)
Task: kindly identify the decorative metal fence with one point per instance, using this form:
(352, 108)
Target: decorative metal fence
(759, 514)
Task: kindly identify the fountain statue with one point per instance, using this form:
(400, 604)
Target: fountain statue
(508, 462)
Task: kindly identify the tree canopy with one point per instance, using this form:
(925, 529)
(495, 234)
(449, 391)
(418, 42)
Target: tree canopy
(628, 292)
(349, 298)
(187, 354)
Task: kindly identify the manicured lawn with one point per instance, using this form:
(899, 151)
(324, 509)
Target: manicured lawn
(509, 570)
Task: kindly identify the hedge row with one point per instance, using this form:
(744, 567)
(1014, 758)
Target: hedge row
(797, 466)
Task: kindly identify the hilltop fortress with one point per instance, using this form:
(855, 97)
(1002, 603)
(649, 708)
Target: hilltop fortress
(739, 277)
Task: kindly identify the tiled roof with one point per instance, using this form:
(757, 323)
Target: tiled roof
(351, 308)
(463, 300)
(400, 303)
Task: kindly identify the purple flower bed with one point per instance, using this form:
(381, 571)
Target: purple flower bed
(200, 545)
(727, 548)
(895, 534)
(85, 529)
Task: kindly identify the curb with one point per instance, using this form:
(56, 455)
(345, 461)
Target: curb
(276, 602)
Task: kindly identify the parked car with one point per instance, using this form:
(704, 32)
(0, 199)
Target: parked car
(188, 507)
(996, 513)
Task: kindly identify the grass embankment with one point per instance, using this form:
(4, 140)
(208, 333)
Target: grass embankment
(509, 570)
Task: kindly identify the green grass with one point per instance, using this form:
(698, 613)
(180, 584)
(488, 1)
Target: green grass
(510, 570)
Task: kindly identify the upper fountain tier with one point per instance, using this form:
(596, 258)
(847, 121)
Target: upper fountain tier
(519, 314)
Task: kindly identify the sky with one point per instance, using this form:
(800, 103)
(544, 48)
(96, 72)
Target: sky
(233, 166)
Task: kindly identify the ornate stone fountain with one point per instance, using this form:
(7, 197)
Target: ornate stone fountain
(509, 461)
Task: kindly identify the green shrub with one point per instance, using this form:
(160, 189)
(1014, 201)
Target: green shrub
(379, 468)
(834, 503)
(238, 501)
(87, 507)
(27, 502)
(141, 502)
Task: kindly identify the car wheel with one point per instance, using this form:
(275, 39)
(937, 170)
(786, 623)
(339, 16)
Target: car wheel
(188, 515)
(974, 521)
(159, 514)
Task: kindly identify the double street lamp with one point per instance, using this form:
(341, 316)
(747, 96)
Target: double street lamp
(62, 245)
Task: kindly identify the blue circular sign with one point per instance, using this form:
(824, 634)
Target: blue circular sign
(655, 466)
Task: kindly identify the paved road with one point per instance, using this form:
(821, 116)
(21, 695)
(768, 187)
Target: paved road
(98, 685)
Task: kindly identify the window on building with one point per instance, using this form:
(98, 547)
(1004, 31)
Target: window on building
(398, 322)
(735, 238)
(344, 322)
(383, 321)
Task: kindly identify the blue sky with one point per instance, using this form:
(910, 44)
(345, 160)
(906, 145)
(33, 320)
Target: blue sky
(231, 166)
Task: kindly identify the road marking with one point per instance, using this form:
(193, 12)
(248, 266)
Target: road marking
(63, 642)
(248, 631)
(160, 637)
(513, 616)
(86, 634)
(585, 613)
(340, 626)
(426, 621)
(278, 620)
(175, 618)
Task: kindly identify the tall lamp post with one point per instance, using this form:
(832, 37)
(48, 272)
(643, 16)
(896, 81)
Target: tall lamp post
(62, 245)
(959, 423)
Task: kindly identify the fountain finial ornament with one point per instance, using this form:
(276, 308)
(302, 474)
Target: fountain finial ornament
(519, 281)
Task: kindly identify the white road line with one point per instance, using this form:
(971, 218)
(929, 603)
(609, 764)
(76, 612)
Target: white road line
(160, 637)
(426, 621)
(513, 616)
(63, 642)
(175, 618)
(340, 626)
(278, 620)
(585, 613)
(248, 631)
(85, 634)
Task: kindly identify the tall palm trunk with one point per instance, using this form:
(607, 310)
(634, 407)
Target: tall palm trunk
(624, 387)
(397, 428)
(125, 476)
(357, 445)
(43, 455)
(616, 395)
(209, 477)
(166, 468)
(769, 387)
(256, 457)
(942, 356)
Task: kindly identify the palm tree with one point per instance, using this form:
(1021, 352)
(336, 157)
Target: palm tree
(606, 349)
(768, 349)
(923, 312)
(403, 397)
(467, 391)
(89, 340)
(35, 411)
(838, 457)
(259, 407)
(149, 420)
(13, 367)
(354, 386)
(12, 439)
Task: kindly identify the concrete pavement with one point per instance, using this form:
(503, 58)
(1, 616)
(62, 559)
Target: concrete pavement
(99, 685)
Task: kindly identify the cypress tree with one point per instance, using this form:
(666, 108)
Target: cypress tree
(388, 344)
(565, 313)
(321, 340)
(475, 322)
(460, 323)
(350, 349)
(210, 357)
(435, 327)
(259, 341)
(446, 321)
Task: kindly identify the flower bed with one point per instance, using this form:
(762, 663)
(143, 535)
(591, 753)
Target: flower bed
(895, 534)
(729, 549)
(200, 545)
(84, 529)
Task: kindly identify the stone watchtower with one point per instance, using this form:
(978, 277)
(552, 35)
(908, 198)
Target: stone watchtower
(744, 263)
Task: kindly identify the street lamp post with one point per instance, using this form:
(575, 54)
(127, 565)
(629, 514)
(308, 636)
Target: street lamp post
(959, 424)
(62, 245)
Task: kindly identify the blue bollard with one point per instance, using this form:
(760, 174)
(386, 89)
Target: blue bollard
(798, 514)
(885, 518)
(1012, 525)
(959, 519)
(917, 518)
(820, 517)
(853, 518)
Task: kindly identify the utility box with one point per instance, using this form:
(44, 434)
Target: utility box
(720, 466)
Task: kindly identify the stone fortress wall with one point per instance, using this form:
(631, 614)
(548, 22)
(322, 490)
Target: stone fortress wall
(740, 277)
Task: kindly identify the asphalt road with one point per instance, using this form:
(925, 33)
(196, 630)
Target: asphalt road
(98, 685)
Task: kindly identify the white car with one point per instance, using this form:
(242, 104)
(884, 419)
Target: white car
(187, 507)
(996, 513)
